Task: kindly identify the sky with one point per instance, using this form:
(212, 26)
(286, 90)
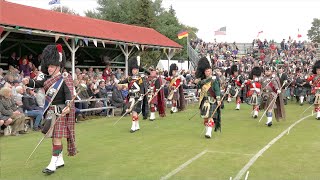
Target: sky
(278, 19)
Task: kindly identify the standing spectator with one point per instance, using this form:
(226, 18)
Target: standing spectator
(13, 60)
(25, 68)
(107, 71)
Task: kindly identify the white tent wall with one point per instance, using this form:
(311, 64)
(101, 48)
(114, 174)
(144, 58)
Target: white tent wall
(163, 64)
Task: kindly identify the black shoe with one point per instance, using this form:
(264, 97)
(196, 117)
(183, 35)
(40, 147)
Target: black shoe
(61, 166)
(269, 124)
(145, 117)
(132, 131)
(3, 127)
(171, 112)
(255, 117)
(208, 137)
(23, 132)
(47, 171)
(318, 118)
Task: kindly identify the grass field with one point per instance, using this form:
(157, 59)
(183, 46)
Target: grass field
(160, 147)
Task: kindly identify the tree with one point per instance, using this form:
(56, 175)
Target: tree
(92, 14)
(314, 32)
(144, 15)
(65, 9)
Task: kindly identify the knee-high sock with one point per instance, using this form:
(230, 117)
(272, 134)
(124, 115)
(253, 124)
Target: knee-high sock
(56, 150)
(269, 117)
(317, 111)
(152, 109)
(301, 99)
(207, 123)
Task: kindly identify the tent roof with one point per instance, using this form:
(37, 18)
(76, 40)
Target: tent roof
(16, 15)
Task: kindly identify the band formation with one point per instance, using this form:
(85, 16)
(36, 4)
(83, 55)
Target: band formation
(263, 88)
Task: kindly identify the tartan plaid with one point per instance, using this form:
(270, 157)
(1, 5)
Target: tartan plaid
(65, 126)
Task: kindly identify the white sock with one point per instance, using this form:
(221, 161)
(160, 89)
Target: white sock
(152, 115)
(208, 132)
(60, 160)
(301, 99)
(52, 165)
(269, 119)
(137, 125)
(133, 126)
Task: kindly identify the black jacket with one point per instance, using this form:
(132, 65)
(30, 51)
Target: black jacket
(29, 103)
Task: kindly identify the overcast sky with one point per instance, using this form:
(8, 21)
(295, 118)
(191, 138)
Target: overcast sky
(278, 19)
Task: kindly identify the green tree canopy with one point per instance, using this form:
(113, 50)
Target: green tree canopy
(314, 32)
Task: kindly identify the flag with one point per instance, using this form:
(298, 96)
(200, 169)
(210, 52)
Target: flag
(299, 35)
(259, 33)
(54, 2)
(221, 31)
(182, 34)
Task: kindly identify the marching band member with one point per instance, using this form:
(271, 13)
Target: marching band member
(175, 89)
(254, 92)
(156, 94)
(137, 91)
(314, 81)
(59, 92)
(209, 96)
(237, 81)
(272, 96)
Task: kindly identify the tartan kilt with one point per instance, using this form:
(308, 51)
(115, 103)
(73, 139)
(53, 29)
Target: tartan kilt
(64, 127)
(154, 100)
(175, 96)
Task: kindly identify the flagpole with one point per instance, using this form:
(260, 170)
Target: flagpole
(188, 51)
(60, 8)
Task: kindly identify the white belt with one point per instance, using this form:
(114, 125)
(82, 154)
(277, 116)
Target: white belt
(255, 89)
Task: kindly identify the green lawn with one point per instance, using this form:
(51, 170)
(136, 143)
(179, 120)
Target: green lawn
(111, 152)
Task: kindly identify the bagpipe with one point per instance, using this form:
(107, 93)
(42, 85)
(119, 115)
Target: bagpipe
(172, 87)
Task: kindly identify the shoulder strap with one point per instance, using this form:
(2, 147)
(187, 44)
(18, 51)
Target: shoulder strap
(51, 93)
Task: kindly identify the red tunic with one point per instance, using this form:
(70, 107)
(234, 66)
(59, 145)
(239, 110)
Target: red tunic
(152, 86)
(174, 84)
(253, 87)
(315, 79)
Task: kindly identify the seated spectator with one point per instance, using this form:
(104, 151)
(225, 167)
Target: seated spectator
(17, 95)
(5, 121)
(31, 108)
(117, 99)
(124, 91)
(10, 109)
(83, 95)
(40, 97)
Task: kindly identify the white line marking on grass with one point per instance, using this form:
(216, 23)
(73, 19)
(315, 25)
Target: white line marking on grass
(246, 176)
(183, 165)
(230, 153)
(256, 156)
